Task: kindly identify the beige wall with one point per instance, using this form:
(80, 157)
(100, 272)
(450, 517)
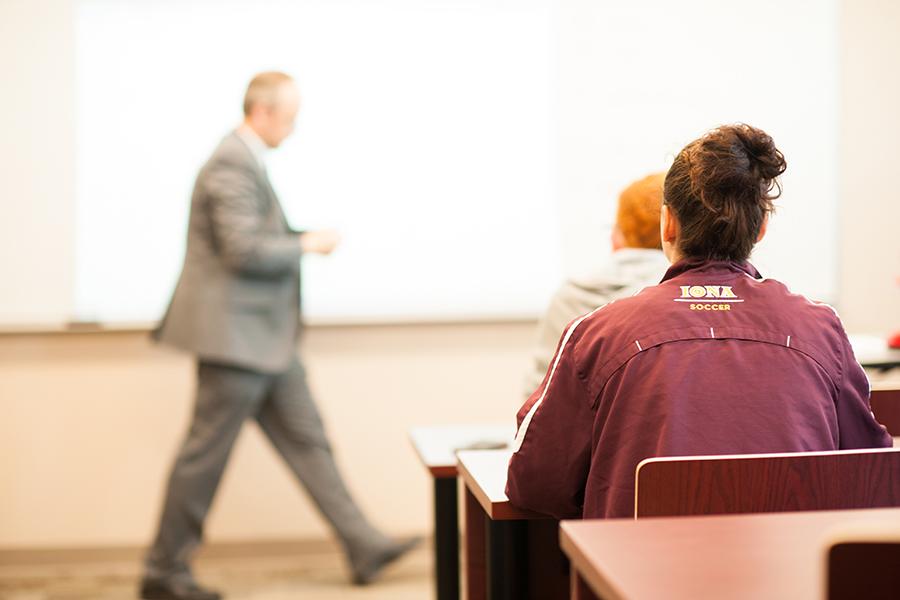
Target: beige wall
(37, 121)
(91, 422)
(870, 159)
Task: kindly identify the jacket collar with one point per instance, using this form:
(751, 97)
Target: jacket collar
(254, 144)
(699, 264)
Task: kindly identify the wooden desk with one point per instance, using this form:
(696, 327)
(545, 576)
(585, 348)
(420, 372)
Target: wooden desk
(742, 556)
(511, 553)
(436, 447)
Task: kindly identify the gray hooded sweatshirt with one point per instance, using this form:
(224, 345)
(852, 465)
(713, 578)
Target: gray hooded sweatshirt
(628, 271)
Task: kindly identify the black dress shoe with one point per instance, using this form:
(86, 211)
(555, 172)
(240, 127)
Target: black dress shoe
(367, 570)
(161, 589)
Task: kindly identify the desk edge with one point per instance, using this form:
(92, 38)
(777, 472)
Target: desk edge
(497, 511)
(600, 582)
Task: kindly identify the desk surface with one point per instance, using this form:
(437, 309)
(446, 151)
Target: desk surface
(484, 474)
(872, 352)
(743, 556)
(885, 385)
(437, 445)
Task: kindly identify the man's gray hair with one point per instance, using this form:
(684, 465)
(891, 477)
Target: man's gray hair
(263, 89)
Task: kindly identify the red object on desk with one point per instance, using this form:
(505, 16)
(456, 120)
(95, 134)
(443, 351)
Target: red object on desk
(894, 340)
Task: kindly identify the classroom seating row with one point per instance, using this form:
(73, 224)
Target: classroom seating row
(512, 553)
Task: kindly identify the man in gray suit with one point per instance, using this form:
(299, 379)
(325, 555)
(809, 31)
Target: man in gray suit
(237, 308)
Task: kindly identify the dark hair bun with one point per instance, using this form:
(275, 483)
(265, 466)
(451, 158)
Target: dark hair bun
(735, 164)
(721, 187)
(766, 161)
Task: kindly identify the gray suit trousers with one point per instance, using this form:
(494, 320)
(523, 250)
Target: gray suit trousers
(282, 405)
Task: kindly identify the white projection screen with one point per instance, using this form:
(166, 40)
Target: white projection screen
(426, 137)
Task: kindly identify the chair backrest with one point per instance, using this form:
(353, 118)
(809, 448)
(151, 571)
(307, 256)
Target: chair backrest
(886, 407)
(755, 483)
(863, 568)
(862, 560)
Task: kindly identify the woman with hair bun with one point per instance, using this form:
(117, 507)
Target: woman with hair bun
(715, 359)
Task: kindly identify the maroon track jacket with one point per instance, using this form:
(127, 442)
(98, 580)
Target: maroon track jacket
(713, 360)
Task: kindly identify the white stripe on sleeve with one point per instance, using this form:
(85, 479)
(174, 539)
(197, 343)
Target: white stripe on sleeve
(523, 429)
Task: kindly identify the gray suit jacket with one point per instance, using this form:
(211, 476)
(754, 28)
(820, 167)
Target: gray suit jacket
(237, 301)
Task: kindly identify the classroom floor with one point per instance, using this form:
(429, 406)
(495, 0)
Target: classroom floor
(319, 576)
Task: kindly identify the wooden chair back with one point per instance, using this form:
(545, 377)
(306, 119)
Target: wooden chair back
(886, 407)
(864, 564)
(758, 483)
